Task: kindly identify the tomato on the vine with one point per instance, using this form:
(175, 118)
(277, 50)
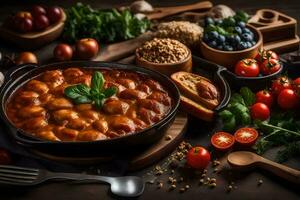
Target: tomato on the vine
(280, 84)
(247, 68)
(246, 136)
(222, 140)
(263, 55)
(271, 54)
(260, 111)
(264, 96)
(296, 86)
(287, 99)
(269, 66)
(198, 157)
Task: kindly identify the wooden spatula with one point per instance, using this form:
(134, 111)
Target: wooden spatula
(162, 12)
(247, 160)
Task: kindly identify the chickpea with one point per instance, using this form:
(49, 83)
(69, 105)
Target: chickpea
(115, 107)
(59, 103)
(64, 114)
(101, 125)
(31, 111)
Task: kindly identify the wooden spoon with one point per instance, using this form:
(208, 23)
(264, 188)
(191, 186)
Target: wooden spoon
(246, 160)
(162, 12)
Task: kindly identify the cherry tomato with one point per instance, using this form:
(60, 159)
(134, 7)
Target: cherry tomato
(287, 99)
(86, 48)
(260, 111)
(264, 96)
(26, 57)
(5, 158)
(269, 66)
(37, 10)
(63, 52)
(54, 14)
(198, 157)
(222, 140)
(247, 68)
(281, 83)
(260, 55)
(296, 86)
(246, 136)
(40, 22)
(24, 14)
(271, 54)
(22, 24)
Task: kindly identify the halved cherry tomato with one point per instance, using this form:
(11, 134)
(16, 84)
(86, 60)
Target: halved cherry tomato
(5, 158)
(247, 68)
(269, 66)
(264, 96)
(260, 111)
(287, 99)
(198, 157)
(280, 84)
(246, 136)
(222, 140)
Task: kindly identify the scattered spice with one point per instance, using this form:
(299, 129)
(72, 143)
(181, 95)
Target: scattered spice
(173, 187)
(163, 51)
(160, 185)
(186, 32)
(182, 190)
(168, 137)
(260, 182)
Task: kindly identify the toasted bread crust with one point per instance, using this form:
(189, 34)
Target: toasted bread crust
(196, 109)
(187, 84)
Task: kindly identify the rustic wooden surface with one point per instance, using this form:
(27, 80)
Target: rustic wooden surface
(198, 133)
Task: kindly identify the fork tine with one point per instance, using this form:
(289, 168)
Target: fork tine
(15, 181)
(18, 176)
(18, 168)
(18, 172)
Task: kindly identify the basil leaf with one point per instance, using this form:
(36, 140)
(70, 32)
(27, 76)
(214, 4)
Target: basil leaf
(99, 103)
(248, 96)
(97, 83)
(237, 98)
(76, 91)
(110, 92)
(82, 99)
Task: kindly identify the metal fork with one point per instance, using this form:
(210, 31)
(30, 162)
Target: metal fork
(126, 186)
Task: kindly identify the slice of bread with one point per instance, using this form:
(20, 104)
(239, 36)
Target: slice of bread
(197, 88)
(196, 109)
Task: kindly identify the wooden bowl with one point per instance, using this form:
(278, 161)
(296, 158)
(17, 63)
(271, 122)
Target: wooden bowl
(166, 68)
(228, 59)
(33, 40)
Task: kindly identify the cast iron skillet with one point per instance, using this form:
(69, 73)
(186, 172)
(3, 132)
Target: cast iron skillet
(19, 75)
(16, 76)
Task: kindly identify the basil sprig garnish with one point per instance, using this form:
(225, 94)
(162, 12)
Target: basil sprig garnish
(96, 94)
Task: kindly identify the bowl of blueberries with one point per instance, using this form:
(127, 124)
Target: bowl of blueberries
(226, 41)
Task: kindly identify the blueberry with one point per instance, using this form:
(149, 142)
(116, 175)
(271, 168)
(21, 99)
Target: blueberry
(220, 47)
(236, 39)
(246, 30)
(212, 44)
(229, 39)
(249, 44)
(228, 48)
(238, 30)
(213, 35)
(218, 21)
(205, 37)
(221, 39)
(247, 37)
(242, 45)
(208, 20)
(253, 43)
(241, 24)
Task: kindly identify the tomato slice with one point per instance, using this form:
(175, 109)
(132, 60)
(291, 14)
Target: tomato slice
(246, 136)
(222, 140)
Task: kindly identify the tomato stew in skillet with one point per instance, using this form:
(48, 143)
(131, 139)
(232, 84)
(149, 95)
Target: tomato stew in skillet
(40, 107)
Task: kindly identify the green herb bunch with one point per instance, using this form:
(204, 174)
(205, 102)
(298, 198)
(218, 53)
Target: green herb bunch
(96, 94)
(103, 25)
(237, 111)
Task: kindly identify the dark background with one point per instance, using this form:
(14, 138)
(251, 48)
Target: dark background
(198, 132)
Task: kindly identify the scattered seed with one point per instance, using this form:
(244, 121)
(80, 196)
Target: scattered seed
(229, 188)
(181, 179)
(151, 182)
(172, 171)
(216, 170)
(187, 186)
(203, 175)
(213, 180)
(168, 137)
(212, 185)
(173, 187)
(201, 181)
(205, 171)
(160, 185)
(260, 182)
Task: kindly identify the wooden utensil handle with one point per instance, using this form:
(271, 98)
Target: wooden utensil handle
(167, 11)
(281, 170)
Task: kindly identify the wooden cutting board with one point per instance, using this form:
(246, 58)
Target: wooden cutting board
(141, 159)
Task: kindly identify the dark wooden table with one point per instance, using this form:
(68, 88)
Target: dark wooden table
(197, 133)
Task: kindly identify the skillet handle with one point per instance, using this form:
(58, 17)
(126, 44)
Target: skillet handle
(227, 89)
(13, 71)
